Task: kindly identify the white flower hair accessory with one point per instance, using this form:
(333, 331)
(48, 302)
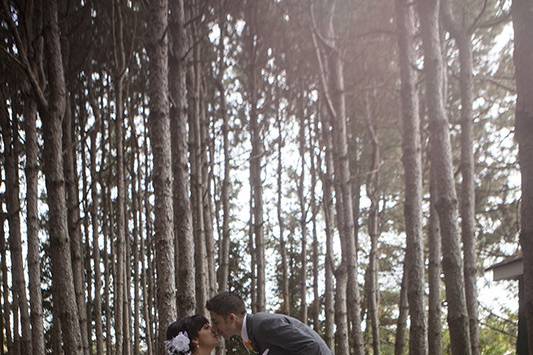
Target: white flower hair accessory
(178, 345)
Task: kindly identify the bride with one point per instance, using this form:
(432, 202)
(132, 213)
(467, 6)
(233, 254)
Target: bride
(191, 335)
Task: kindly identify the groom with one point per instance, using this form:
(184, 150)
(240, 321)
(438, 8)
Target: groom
(264, 333)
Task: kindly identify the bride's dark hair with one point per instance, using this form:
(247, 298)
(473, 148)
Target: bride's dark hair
(191, 325)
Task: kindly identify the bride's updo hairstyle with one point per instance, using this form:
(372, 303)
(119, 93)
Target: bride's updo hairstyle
(181, 333)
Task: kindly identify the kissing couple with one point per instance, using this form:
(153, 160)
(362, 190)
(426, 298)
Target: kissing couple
(261, 333)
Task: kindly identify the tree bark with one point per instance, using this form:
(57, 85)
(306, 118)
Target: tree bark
(161, 150)
(226, 183)
(51, 113)
(256, 156)
(106, 227)
(446, 203)
(522, 13)
(463, 39)
(372, 187)
(74, 220)
(185, 280)
(434, 271)
(341, 312)
(335, 99)
(146, 274)
(34, 259)
(95, 230)
(285, 290)
(328, 210)
(135, 178)
(11, 156)
(412, 162)
(303, 213)
(207, 198)
(6, 306)
(343, 177)
(195, 146)
(313, 131)
(2, 338)
(119, 70)
(401, 324)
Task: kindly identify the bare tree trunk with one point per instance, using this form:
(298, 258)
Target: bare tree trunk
(106, 228)
(127, 290)
(328, 210)
(11, 156)
(335, 92)
(467, 206)
(303, 214)
(286, 305)
(522, 13)
(341, 312)
(336, 105)
(34, 259)
(195, 147)
(463, 39)
(372, 187)
(412, 161)
(119, 70)
(95, 229)
(313, 131)
(83, 205)
(256, 156)
(226, 183)
(145, 273)
(74, 220)
(434, 271)
(2, 338)
(6, 306)
(401, 325)
(207, 199)
(135, 178)
(64, 295)
(446, 203)
(161, 150)
(150, 292)
(251, 248)
(17, 342)
(57, 334)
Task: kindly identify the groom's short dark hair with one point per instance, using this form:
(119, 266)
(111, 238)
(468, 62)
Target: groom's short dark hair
(225, 303)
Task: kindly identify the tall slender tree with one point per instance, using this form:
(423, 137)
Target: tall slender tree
(303, 210)
(462, 33)
(285, 290)
(334, 92)
(74, 216)
(225, 190)
(119, 72)
(372, 187)
(160, 142)
(412, 162)
(34, 260)
(256, 156)
(522, 13)
(328, 212)
(434, 272)
(446, 202)
(183, 233)
(10, 135)
(95, 229)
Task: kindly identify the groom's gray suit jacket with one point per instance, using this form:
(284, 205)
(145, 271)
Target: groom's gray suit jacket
(283, 335)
